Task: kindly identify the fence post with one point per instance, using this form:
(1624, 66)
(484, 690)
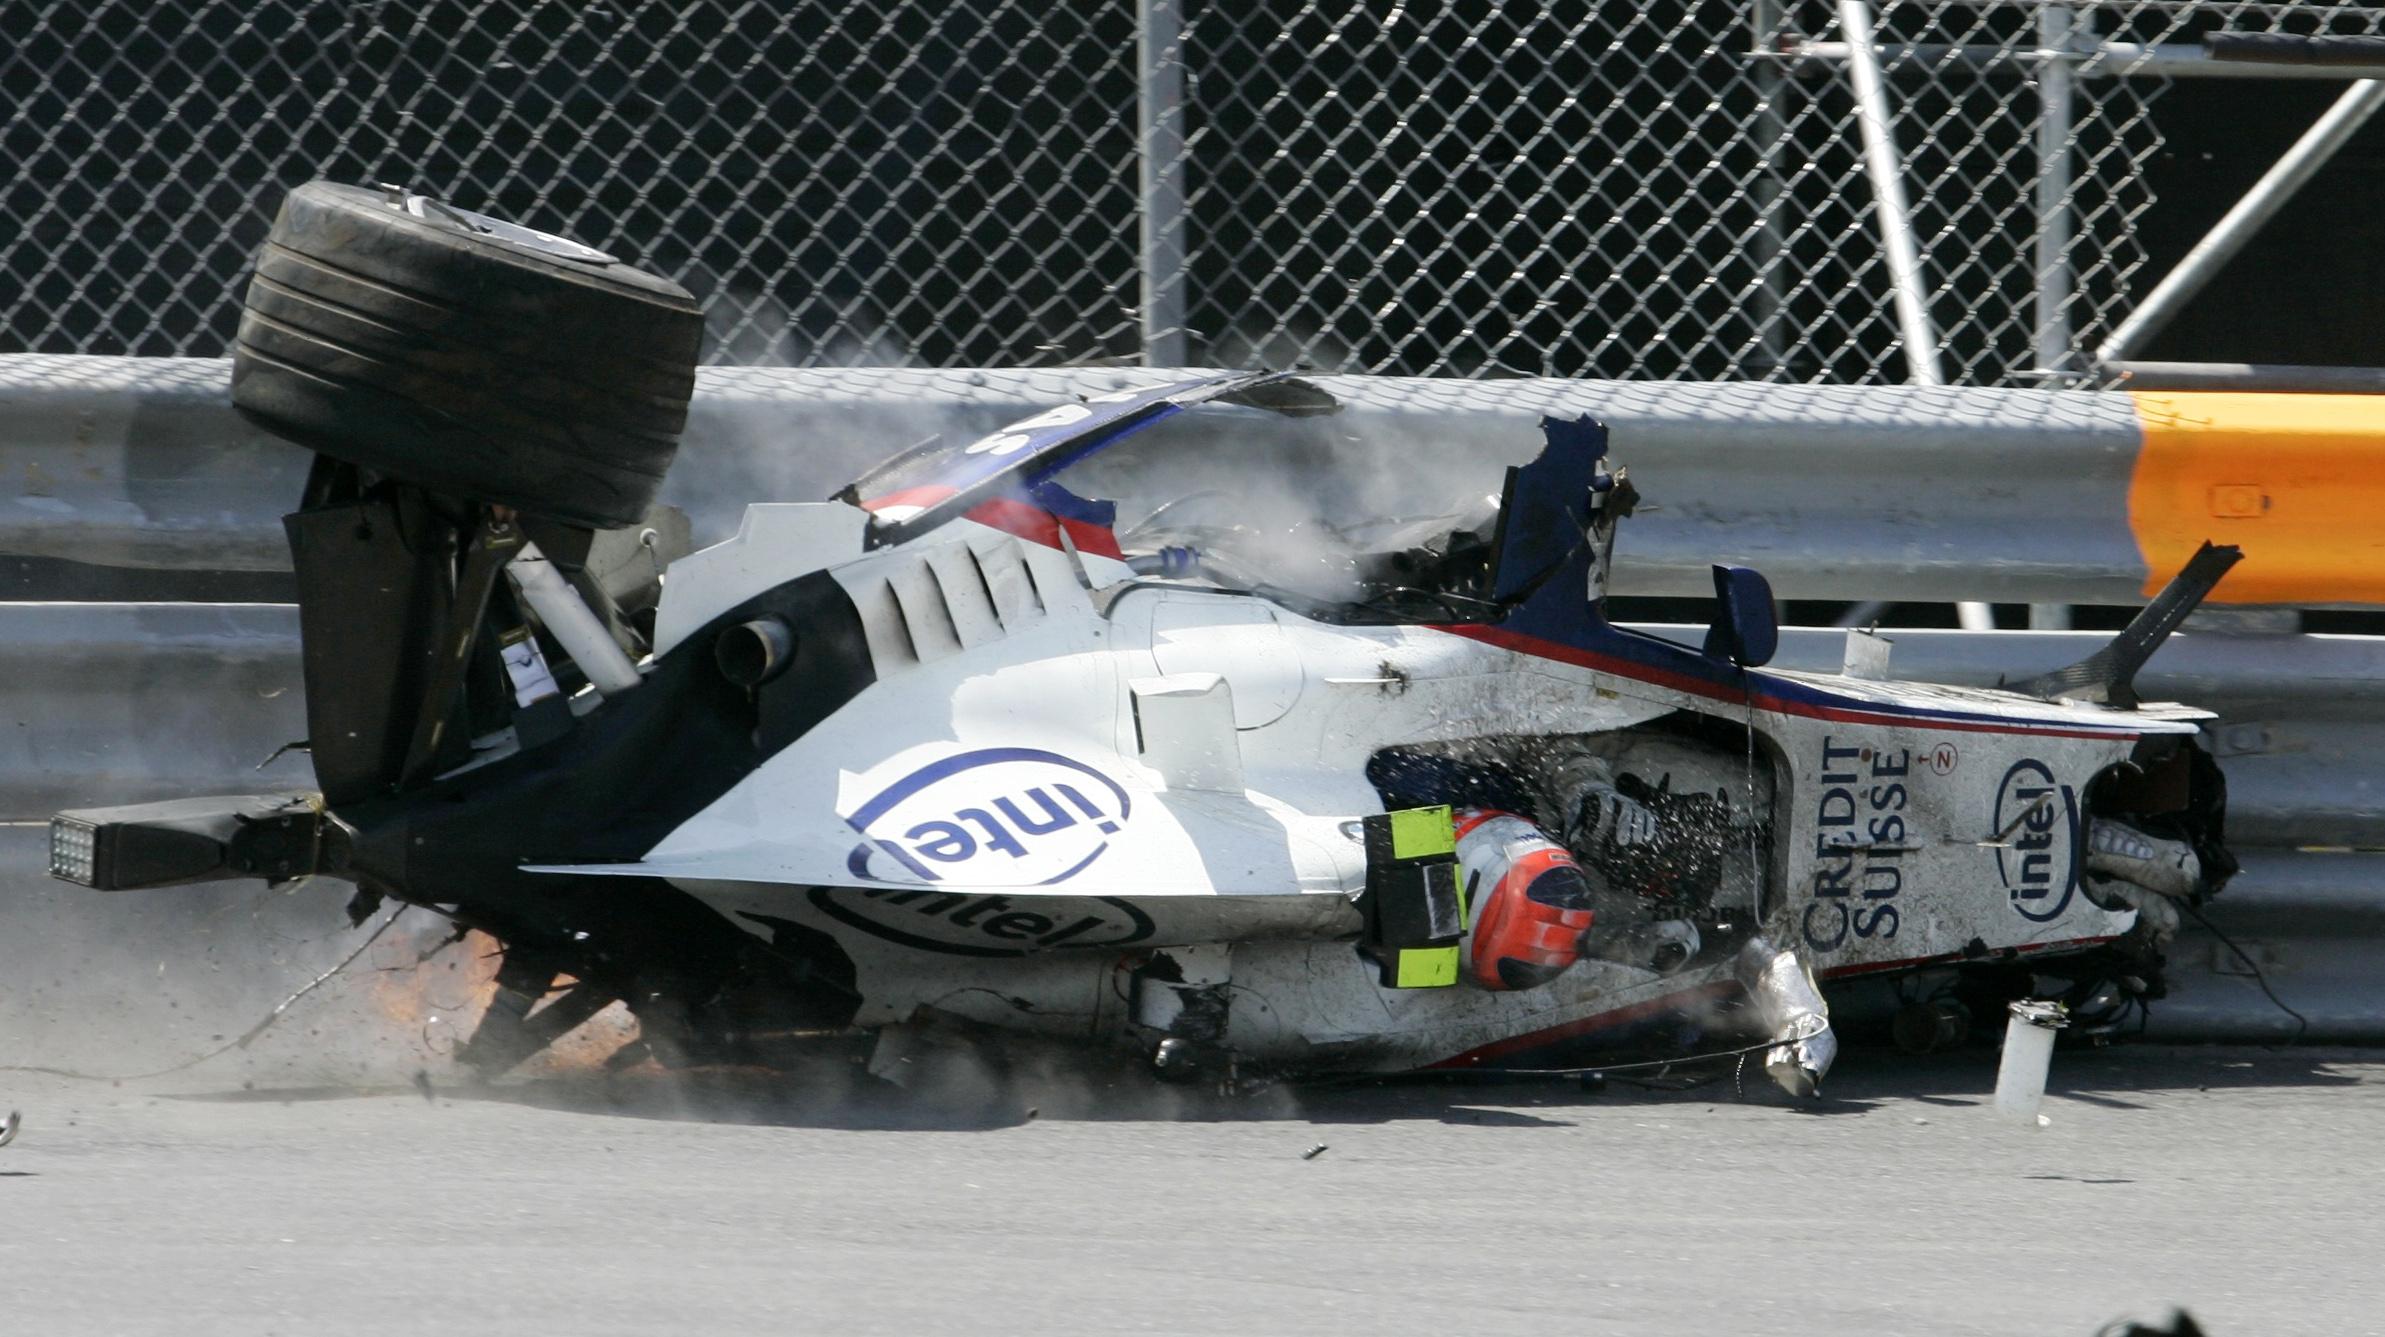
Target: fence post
(1885, 168)
(1768, 246)
(2258, 205)
(2056, 81)
(1160, 107)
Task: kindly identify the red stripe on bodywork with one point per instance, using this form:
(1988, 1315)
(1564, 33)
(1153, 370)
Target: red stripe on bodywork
(1957, 958)
(1680, 682)
(1012, 516)
(922, 497)
(1037, 525)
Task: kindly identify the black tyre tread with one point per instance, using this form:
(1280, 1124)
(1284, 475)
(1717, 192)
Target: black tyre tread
(634, 407)
(358, 231)
(463, 362)
(324, 281)
(358, 422)
(501, 411)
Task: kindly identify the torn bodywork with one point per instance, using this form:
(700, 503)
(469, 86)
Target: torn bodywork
(1256, 780)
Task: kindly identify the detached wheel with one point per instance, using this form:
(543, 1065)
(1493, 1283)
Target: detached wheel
(466, 355)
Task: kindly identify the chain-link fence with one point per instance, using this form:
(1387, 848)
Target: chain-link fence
(1670, 189)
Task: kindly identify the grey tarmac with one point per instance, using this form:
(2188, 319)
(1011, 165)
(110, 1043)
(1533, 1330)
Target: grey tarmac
(2240, 1183)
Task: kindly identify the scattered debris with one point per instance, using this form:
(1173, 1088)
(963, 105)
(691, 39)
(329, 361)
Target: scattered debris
(244, 1041)
(2028, 1050)
(1313, 1152)
(1782, 988)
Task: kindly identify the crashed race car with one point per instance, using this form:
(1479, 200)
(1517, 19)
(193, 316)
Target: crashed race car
(1111, 728)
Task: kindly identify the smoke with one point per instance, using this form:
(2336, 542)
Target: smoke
(130, 703)
(1281, 343)
(747, 325)
(757, 433)
(164, 985)
(1293, 502)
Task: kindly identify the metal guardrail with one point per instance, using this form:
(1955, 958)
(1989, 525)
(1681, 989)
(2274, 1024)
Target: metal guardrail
(1903, 493)
(128, 702)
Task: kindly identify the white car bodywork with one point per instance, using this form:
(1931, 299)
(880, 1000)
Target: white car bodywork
(1064, 767)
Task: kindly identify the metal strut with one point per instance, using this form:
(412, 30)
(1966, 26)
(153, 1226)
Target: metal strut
(2289, 174)
(1895, 216)
(492, 545)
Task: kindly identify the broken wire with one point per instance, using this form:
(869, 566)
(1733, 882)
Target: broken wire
(246, 1038)
(2301, 1022)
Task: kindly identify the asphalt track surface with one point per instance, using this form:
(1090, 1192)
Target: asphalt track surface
(304, 1184)
(2240, 1183)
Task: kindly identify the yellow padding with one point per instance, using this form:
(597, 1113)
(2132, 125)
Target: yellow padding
(1418, 833)
(1427, 968)
(2297, 480)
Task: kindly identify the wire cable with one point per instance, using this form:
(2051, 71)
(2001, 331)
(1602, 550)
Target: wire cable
(2301, 1022)
(246, 1038)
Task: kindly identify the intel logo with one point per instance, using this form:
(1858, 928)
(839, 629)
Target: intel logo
(2037, 825)
(1000, 816)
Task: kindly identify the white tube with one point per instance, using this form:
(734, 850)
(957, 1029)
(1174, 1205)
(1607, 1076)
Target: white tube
(1882, 164)
(2055, 76)
(2028, 1052)
(568, 619)
(1159, 66)
(2293, 169)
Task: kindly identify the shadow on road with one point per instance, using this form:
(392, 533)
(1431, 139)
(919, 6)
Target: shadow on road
(840, 1094)
(2107, 1077)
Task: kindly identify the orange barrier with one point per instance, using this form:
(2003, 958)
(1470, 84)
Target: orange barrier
(2297, 480)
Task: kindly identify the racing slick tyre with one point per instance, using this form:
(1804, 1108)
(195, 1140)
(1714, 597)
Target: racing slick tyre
(466, 355)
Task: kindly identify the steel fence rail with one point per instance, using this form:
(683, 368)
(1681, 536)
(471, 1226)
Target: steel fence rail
(130, 702)
(1902, 493)
(146, 701)
(2302, 926)
(136, 701)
